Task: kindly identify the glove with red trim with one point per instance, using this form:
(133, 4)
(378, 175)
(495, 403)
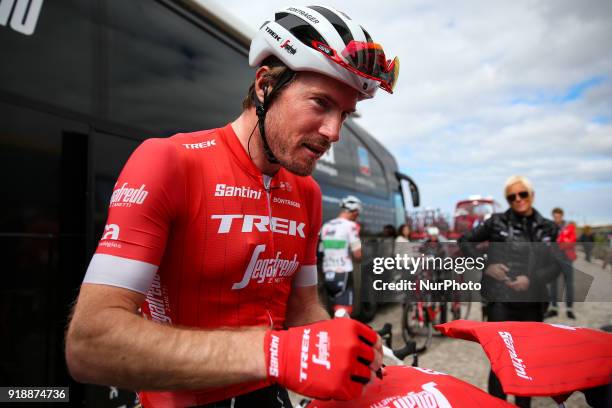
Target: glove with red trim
(327, 359)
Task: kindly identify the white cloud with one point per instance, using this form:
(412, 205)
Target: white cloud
(451, 122)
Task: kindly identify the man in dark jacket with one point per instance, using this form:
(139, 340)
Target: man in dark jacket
(521, 259)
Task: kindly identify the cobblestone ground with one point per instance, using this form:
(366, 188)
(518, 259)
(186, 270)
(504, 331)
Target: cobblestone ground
(466, 360)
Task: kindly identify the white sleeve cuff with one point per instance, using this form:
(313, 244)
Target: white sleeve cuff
(306, 276)
(122, 272)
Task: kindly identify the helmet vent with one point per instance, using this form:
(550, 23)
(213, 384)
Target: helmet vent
(339, 25)
(300, 28)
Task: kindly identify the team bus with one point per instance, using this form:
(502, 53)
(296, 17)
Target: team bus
(82, 83)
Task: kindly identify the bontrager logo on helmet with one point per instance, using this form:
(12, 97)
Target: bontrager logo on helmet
(305, 14)
(326, 41)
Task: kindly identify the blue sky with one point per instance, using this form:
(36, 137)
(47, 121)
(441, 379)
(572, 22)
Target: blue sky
(491, 89)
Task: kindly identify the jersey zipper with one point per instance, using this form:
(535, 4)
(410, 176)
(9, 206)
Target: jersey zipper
(268, 190)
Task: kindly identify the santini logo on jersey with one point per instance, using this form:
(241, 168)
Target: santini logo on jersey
(223, 190)
(262, 223)
(270, 270)
(519, 366)
(201, 145)
(125, 196)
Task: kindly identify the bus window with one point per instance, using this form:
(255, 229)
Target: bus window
(52, 64)
(369, 175)
(166, 74)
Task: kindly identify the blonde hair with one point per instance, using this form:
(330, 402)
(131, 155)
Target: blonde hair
(518, 179)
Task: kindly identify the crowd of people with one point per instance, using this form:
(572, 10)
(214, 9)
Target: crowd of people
(527, 255)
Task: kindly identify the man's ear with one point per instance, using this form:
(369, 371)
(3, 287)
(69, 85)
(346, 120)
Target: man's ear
(262, 82)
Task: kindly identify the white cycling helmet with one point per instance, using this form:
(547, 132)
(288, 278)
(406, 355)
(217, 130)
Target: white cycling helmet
(433, 231)
(351, 203)
(324, 40)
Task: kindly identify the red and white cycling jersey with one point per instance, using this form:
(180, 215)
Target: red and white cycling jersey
(540, 359)
(415, 387)
(338, 236)
(192, 226)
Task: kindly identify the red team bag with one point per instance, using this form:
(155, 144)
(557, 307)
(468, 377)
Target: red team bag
(540, 359)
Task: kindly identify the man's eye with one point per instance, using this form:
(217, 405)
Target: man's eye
(320, 102)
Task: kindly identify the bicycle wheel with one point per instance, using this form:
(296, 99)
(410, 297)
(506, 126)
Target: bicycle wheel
(416, 325)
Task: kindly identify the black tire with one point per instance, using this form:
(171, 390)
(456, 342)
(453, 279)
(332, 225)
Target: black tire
(413, 330)
(367, 311)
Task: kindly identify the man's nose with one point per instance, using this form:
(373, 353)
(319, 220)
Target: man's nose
(330, 128)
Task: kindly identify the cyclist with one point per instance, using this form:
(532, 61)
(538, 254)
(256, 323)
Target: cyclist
(212, 236)
(338, 237)
(432, 245)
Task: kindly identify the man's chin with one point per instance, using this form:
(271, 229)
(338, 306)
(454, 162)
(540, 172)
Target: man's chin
(299, 169)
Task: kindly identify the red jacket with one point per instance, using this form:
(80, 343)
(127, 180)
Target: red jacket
(567, 241)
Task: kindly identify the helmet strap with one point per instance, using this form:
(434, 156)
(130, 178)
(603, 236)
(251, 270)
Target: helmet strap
(261, 109)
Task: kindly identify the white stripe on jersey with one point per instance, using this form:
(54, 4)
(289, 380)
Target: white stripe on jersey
(121, 272)
(306, 276)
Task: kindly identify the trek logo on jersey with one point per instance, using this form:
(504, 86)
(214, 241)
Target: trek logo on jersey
(262, 223)
(429, 397)
(270, 270)
(288, 47)
(201, 145)
(223, 190)
(322, 356)
(126, 197)
(519, 366)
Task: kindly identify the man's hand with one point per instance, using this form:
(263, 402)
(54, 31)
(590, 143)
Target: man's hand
(328, 359)
(498, 271)
(520, 284)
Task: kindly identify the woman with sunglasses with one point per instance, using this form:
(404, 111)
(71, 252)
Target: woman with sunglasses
(520, 262)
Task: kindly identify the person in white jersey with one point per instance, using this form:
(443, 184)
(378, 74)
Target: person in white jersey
(338, 237)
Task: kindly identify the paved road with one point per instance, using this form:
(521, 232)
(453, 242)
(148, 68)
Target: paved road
(467, 361)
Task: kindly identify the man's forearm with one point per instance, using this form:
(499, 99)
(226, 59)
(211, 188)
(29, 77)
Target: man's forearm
(121, 348)
(309, 314)
(304, 307)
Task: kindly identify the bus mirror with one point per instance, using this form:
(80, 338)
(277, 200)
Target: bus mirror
(409, 189)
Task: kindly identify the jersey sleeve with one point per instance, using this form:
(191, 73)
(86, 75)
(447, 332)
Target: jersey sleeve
(353, 237)
(307, 275)
(147, 197)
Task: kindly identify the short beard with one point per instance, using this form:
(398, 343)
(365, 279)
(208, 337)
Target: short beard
(279, 147)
